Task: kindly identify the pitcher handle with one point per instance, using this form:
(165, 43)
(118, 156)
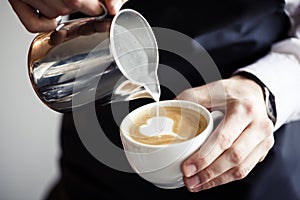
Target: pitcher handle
(61, 24)
(105, 12)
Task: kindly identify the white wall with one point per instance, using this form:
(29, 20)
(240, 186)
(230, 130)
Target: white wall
(29, 131)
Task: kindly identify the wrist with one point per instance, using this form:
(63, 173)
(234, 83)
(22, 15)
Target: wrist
(268, 97)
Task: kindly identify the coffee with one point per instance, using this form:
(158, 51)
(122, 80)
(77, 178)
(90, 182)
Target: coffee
(171, 125)
(148, 139)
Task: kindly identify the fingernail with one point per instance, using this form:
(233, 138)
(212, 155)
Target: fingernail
(193, 182)
(190, 170)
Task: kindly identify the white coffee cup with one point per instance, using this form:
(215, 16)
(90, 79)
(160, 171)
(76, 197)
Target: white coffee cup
(161, 164)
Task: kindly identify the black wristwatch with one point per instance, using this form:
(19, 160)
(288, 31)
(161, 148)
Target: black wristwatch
(268, 96)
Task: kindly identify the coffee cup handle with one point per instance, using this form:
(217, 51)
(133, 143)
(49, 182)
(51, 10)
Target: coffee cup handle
(217, 117)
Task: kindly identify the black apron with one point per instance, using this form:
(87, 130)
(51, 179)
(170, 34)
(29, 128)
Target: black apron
(234, 33)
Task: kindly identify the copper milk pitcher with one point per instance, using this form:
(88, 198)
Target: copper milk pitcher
(100, 59)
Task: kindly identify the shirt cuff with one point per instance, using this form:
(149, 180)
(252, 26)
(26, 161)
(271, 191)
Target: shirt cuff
(280, 72)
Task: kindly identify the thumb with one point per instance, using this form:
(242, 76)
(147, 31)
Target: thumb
(113, 6)
(199, 95)
(211, 95)
(91, 7)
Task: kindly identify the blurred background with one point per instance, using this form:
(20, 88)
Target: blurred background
(29, 131)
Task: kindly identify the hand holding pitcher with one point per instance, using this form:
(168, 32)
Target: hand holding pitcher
(40, 16)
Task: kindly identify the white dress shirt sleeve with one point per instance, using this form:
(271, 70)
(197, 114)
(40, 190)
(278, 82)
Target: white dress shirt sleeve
(280, 70)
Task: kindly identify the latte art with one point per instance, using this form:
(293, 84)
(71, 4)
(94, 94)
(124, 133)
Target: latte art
(159, 126)
(173, 125)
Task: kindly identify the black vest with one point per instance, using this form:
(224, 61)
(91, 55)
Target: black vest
(234, 32)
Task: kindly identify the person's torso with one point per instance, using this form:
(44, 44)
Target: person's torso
(234, 33)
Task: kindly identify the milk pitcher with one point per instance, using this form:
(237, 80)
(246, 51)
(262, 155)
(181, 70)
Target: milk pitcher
(101, 59)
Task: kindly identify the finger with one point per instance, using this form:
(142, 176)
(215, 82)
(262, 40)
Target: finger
(240, 171)
(113, 6)
(88, 7)
(59, 7)
(30, 19)
(234, 123)
(211, 95)
(44, 9)
(235, 155)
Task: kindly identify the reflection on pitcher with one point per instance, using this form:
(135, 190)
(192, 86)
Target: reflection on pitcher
(102, 59)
